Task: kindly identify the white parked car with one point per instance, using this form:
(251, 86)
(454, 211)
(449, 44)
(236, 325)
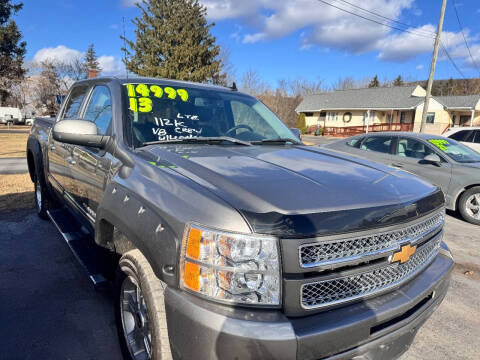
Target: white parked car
(469, 136)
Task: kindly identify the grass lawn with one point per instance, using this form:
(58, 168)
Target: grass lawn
(13, 145)
(16, 192)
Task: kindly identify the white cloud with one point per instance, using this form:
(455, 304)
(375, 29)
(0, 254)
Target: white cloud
(59, 53)
(129, 3)
(110, 65)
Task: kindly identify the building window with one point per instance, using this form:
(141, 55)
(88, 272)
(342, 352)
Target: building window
(332, 116)
(323, 114)
(402, 117)
(430, 118)
(309, 114)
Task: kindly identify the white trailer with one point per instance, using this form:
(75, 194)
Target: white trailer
(10, 115)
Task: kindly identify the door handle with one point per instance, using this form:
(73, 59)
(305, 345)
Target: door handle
(397, 165)
(52, 147)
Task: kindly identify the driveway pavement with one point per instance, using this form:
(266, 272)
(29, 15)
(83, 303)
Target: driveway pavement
(49, 309)
(13, 166)
(317, 140)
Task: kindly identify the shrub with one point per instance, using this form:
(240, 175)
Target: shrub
(301, 123)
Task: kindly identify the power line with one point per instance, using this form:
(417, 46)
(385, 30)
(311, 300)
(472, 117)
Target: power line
(375, 21)
(425, 32)
(454, 4)
(452, 61)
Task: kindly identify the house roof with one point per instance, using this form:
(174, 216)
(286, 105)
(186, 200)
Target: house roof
(398, 97)
(459, 102)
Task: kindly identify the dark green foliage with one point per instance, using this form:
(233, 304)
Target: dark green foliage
(301, 123)
(374, 83)
(173, 41)
(91, 59)
(398, 81)
(12, 49)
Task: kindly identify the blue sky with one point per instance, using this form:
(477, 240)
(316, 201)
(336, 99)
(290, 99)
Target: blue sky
(277, 38)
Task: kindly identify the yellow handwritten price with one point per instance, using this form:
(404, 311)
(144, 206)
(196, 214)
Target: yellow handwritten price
(143, 104)
(146, 90)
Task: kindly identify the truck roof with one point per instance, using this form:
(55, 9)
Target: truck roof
(136, 80)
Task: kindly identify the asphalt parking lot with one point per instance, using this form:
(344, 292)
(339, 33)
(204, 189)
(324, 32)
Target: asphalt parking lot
(50, 310)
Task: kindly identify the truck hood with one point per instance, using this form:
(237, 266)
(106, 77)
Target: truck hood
(298, 190)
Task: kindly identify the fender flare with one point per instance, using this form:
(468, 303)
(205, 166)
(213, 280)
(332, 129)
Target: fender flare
(143, 227)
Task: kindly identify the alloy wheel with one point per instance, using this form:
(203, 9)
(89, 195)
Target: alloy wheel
(133, 310)
(472, 206)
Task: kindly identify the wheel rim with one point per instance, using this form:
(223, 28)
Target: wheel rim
(133, 310)
(472, 206)
(38, 195)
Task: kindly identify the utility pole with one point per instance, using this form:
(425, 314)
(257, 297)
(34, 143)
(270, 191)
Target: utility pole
(432, 67)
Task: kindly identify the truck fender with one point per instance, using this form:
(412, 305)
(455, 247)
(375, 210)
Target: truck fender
(143, 227)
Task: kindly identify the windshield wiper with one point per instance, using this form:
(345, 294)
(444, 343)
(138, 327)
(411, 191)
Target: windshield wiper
(276, 141)
(200, 140)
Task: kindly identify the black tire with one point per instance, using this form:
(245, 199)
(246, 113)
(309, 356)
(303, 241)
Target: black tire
(42, 197)
(469, 205)
(135, 270)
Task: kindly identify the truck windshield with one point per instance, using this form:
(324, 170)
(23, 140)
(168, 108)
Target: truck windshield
(156, 112)
(456, 151)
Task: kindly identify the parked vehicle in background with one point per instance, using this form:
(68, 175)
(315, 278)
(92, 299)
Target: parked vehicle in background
(10, 115)
(469, 136)
(454, 167)
(226, 237)
(29, 121)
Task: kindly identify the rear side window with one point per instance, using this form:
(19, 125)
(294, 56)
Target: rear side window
(378, 144)
(463, 135)
(74, 104)
(355, 142)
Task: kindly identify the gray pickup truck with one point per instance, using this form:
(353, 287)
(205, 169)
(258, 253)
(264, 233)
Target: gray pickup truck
(225, 237)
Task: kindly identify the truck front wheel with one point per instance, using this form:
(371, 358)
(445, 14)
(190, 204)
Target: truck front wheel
(42, 199)
(140, 310)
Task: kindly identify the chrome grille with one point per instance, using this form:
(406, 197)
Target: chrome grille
(348, 288)
(338, 251)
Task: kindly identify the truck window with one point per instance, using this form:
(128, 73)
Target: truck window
(99, 109)
(158, 112)
(72, 109)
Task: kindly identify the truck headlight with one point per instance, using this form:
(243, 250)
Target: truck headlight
(230, 268)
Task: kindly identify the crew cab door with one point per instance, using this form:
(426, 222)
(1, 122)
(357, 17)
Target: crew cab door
(92, 166)
(59, 153)
(409, 155)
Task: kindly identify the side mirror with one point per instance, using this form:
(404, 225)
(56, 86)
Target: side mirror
(79, 132)
(296, 132)
(433, 159)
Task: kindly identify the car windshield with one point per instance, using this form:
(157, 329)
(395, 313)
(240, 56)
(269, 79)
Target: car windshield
(157, 113)
(456, 151)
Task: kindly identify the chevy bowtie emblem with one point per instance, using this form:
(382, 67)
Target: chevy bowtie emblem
(404, 254)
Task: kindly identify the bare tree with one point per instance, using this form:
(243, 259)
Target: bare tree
(345, 83)
(253, 84)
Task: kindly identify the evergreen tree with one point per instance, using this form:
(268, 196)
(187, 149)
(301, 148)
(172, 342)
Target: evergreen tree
(301, 123)
(398, 81)
(173, 41)
(374, 83)
(91, 60)
(12, 50)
